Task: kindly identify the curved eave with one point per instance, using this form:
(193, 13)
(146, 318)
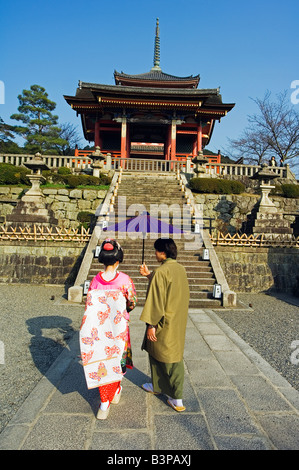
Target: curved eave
(133, 91)
(156, 80)
(195, 106)
(187, 84)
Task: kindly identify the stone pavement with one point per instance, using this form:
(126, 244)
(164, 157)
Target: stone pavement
(234, 399)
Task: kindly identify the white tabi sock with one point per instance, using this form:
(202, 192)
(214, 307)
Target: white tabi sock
(105, 405)
(176, 401)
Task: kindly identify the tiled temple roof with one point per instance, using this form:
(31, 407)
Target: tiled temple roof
(156, 78)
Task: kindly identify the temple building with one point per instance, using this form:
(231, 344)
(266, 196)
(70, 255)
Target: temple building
(149, 115)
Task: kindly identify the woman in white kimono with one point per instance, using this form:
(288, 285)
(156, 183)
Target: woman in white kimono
(104, 334)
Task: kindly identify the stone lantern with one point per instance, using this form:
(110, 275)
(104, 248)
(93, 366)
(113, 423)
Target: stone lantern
(265, 177)
(32, 208)
(98, 161)
(200, 164)
(267, 219)
(36, 165)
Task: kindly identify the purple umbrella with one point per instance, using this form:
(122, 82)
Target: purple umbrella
(144, 224)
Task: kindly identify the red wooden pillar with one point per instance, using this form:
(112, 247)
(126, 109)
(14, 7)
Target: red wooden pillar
(194, 147)
(173, 139)
(199, 137)
(128, 144)
(123, 146)
(168, 143)
(97, 140)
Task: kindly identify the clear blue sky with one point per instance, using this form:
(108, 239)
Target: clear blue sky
(243, 47)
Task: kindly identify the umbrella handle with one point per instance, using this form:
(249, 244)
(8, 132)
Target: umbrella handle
(142, 251)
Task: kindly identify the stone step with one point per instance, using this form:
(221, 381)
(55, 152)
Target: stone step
(193, 303)
(147, 201)
(203, 284)
(204, 290)
(147, 191)
(134, 266)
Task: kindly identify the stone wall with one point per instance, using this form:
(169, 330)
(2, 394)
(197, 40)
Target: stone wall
(260, 269)
(230, 211)
(246, 269)
(65, 203)
(40, 262)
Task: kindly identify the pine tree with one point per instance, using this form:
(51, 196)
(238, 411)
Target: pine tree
(6, 136)
(40, 129)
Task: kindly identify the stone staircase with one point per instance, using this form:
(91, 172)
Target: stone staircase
(146, 190)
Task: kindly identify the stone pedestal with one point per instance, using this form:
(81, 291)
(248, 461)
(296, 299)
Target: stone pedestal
(271, 224)
(32, 209)
(28, 213)
(200, 165)
(75, 294)
(268, 221)
(34, 194)
(98, 161)
(266, 205)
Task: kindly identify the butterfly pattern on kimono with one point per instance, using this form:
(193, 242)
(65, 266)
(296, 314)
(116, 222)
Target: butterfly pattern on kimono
(104, 335)
(103, 314)
(122, 336)
(119, 315)
(111, 351)
(117, 370)
(86, 357)
(101, 372)
(88, 301)
(113, 294)
(83, 321)
(94, 337)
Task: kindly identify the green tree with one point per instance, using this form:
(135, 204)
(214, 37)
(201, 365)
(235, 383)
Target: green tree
(6, 135)
(40, 129)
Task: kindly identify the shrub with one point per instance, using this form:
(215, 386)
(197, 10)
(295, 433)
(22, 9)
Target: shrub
(290, 190)
(73, 181)
(86, 219)
(63, 170)
(84, 216)
(11, 174)
(105, 180)
(216, 186)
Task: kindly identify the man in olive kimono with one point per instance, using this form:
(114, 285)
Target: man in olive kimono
(165, 312)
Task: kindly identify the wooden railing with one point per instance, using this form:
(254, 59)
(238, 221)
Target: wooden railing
(36, 233)
(260, 240)
(147, 165)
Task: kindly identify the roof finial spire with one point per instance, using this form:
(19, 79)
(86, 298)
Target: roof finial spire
(157, 48)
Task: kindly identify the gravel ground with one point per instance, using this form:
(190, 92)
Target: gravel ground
(35, 327)
(269, 327)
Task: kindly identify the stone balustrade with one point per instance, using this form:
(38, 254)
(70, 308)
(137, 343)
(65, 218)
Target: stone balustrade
(240, 170)
(80, 163)
(53, 161)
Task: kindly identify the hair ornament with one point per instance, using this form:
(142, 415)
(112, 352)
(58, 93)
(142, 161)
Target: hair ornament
(108, 240)
(108, 246)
